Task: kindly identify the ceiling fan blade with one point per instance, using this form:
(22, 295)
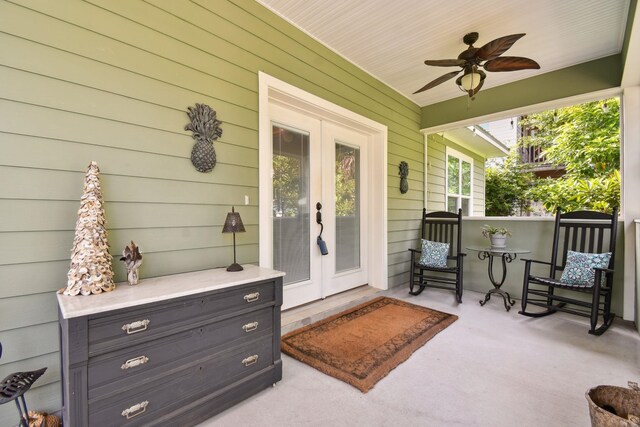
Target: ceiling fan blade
(446, 62)
(511, 63)
(497, 47)
(437, 81)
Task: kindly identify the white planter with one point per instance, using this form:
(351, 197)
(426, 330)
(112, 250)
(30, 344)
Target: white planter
(498, 241)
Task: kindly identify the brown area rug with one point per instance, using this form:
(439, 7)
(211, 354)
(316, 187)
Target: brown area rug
(360, 346)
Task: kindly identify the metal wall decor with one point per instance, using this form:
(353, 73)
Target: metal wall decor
(206, 129)
(404, 172)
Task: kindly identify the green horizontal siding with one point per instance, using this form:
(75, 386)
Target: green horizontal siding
(436, 174)
(110, 82)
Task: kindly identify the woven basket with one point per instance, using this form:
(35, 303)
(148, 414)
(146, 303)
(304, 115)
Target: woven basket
(611, 406)
(42, 419)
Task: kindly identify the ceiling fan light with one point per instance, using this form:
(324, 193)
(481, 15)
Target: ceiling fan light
(470, 81)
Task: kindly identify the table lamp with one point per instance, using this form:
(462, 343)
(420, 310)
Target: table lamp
(233, 224)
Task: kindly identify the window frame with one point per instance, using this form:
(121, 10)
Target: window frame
(461, 157)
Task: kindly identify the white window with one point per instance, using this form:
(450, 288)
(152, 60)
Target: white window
(459, 182)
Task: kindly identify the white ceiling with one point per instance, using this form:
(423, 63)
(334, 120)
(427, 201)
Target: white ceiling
(391, 39)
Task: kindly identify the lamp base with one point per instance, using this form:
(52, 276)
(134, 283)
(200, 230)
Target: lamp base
(235, 267)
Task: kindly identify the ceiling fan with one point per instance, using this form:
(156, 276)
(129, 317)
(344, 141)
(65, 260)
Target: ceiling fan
(472, 58)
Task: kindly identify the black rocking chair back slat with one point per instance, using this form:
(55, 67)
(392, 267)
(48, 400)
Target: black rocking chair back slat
(580, 231)
(580, 237)
(451, 240)
(443, 227)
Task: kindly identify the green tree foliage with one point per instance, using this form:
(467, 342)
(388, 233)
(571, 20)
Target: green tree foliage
(346, 179)
(506, 186)
(287, 180)
(585, 139)
(289, 183)
(571, 193)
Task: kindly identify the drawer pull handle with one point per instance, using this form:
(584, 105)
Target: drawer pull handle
(252, 297)
(135, 410)
(132, 363)
(250, 327)
(137, 326)
(250, 360)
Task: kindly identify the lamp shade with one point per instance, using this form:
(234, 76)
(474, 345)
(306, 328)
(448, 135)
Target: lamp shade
(470, 81)
(233, 223)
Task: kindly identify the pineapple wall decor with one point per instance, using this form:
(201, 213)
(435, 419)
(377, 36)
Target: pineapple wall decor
(91, 271)
(206, 128)
(404, 172)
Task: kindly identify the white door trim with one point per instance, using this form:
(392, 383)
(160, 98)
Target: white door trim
(272, 90)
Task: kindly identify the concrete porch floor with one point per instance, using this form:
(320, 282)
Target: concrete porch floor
(489, 368)
(298, 317)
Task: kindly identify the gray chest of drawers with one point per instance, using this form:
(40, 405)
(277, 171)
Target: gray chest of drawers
(173, 350)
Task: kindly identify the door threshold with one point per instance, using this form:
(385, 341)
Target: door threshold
(306, 314)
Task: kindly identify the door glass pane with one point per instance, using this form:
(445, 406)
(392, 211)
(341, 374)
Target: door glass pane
(452, 204)
(453, 175)
(291, 203)
(466, 178)
(347, 207)
(465, 206)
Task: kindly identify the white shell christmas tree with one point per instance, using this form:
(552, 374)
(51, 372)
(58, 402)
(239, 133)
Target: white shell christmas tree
(91, 270)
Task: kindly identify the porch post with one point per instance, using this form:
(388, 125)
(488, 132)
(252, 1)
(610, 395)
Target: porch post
(630, 199)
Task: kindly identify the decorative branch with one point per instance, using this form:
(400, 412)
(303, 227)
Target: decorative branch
(132, 260)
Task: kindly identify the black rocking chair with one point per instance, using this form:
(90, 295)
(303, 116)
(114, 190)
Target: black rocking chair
(581, 231)
(444, 227)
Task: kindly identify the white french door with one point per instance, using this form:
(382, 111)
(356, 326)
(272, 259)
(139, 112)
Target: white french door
(344, 186)
(318, 175)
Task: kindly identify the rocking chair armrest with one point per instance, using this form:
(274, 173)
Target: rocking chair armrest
(415, 254)
(604, 270)
(528, 260)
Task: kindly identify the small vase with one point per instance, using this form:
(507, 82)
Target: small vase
(132, 276)
(498, 241)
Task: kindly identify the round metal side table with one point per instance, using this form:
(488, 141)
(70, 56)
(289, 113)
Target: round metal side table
(506, 255)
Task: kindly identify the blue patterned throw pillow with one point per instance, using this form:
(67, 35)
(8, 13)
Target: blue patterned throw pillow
(434, 254)
(579, 270)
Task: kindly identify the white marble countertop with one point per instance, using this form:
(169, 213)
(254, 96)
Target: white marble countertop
(161, 288)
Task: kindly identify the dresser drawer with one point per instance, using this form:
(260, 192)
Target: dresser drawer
(140, 405)
(125, 328)
(113, 372)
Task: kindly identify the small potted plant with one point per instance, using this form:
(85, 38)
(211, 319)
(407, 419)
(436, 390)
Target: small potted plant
(497, 235)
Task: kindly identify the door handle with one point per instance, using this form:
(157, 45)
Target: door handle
(319, 214)
(321, 243)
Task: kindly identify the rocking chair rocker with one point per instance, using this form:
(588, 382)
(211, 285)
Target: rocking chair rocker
(583, 249)
(439, 228)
